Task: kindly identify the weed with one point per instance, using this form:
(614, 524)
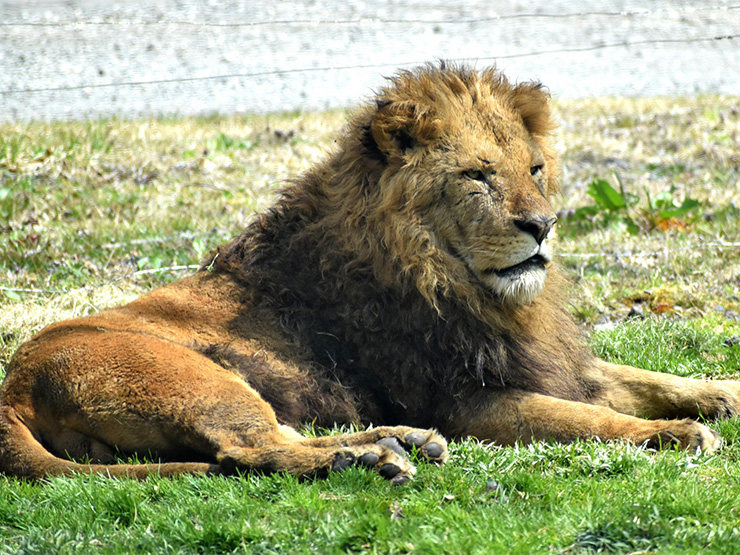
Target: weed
(625, 210)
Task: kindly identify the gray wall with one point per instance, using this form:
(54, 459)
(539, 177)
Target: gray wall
(77, 59)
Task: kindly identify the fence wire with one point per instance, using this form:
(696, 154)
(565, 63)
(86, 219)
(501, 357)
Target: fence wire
(383, 21)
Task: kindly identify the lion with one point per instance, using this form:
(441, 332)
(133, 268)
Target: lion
(406, 285)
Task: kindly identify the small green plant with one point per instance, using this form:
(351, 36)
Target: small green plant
(623, 209)
(223, 143)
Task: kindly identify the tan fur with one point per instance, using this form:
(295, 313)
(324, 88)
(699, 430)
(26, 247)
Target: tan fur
(405, 281)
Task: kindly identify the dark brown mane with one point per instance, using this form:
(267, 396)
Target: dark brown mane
(352, 324)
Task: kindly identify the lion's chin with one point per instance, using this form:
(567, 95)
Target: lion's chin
(519, 284)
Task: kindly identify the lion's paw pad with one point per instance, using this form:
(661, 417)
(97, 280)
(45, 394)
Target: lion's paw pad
(389, 470)
(393, 444)
(343, 461)
(416, 439)
(369, 459)
(433, 451)
(388, 464)
(400, 480)
(429, 444)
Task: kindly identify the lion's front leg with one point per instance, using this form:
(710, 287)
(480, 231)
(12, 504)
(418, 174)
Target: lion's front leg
(510, 416)
(655, 395)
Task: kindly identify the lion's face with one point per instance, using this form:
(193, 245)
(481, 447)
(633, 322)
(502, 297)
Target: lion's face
(478, 174)
(492, 213)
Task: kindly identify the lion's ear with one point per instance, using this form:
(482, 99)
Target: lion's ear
(398, 127)
(530, 100)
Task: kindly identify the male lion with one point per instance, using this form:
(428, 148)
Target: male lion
(408, 280)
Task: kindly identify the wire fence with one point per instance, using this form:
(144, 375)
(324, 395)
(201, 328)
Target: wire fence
(275, 72)
(386, 21)
(250, 61)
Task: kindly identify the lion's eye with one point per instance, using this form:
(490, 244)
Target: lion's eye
(475, 175)
(535, 170)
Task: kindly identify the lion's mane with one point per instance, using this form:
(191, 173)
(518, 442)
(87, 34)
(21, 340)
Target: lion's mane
(356, 280)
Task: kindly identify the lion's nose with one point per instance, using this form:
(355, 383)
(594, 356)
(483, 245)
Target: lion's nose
(537, 226)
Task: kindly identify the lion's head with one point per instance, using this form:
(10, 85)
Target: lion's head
(464, 170)
(441, 183)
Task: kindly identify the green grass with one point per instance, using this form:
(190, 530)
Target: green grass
(94, 214)
(674, 346)
(536, 499)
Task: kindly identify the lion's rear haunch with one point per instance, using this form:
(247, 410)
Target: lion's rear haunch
(405, 281)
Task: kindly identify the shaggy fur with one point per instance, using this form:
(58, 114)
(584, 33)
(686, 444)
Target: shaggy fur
(405, 281)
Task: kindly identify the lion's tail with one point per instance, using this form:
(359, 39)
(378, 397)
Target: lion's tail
(22, 455)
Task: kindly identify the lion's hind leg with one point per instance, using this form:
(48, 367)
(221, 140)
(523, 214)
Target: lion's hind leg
(106, 392)
(23, 456)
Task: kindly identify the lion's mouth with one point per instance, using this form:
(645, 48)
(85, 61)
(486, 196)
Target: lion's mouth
(532, 263)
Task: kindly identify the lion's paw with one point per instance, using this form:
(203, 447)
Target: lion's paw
(429, 444)
(687, 434)
(389, 454)
(382, 458)
(720, 400)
